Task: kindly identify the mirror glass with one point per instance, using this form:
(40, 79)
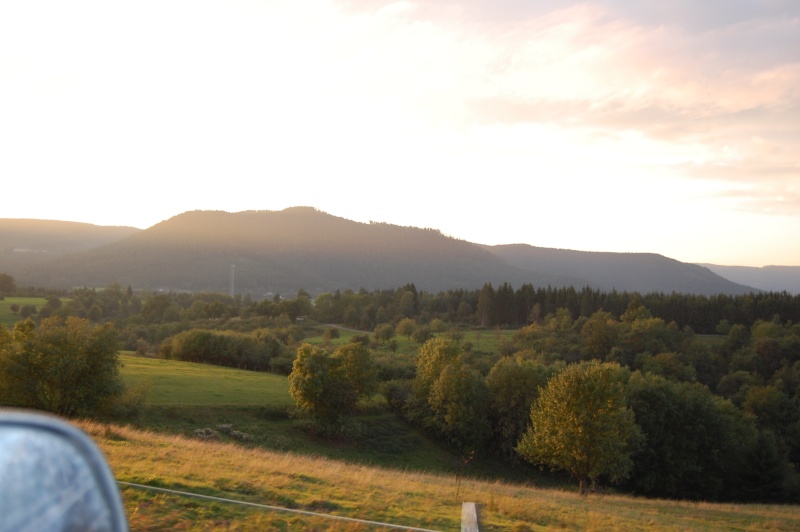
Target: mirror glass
(50, 483)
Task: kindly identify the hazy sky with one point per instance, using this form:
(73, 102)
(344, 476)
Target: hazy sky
(608, 125)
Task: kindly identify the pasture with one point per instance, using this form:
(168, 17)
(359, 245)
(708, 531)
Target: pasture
(9, 318)
(398, 496)
(176, 383)
(485, 340)
(184, 397)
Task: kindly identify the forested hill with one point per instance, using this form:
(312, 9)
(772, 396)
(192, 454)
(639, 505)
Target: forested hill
(634, 272)
(24, 242)
(280, 252)
(301, 247)
(56, 237)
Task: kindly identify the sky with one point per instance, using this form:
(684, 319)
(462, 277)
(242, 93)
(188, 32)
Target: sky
(602, 125)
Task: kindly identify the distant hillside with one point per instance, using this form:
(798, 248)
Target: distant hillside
(301, 247)
(633, 272)
(24, 242)
(769, 278)
(281, 252)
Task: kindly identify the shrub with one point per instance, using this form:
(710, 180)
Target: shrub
(66, 367)
(225, 348)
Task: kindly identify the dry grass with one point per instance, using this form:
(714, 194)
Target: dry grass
(401, 497)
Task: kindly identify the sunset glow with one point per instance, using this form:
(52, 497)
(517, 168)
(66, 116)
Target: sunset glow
(603, 125)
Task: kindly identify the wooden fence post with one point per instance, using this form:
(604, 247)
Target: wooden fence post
(469, 517)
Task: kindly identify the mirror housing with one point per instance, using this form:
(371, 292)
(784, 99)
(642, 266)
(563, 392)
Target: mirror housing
(54, 477)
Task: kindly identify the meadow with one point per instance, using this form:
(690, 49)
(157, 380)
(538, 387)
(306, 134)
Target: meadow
(386, 472)
(486, 340)
(175, 383)
(9, 318)
(183, 397)
(402, 497)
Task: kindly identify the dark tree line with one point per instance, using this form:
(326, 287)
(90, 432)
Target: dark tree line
(503, 306)
(257, 351)
(506, 306)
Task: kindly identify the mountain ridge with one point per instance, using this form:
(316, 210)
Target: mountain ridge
(768, 278)
(303, 247)
(633, 272)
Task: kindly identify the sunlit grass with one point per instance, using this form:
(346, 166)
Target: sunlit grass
(176, 383)
(181, 398)
(396, 496)
(488, 340)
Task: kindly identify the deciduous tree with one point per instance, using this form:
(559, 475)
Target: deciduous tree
(384, 332)
(328, 386)
(696, 444)
(434, 356)
(356, 359)
(581, 424)
(460, 403)
(422, 334)
(406, 327)
(68, 367)
(600, 334)
(513, 385)
(7, 284)
(319, 384)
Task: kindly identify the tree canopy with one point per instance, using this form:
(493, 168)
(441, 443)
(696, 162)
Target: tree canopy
(328, 386)
(7, 284)
(581, 424)
(68, 367)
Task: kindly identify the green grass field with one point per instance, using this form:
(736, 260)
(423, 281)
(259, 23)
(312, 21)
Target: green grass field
(182, 397)
(175, 383)
(9, 318)
(487, 340)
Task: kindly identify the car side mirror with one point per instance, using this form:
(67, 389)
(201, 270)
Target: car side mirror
(54, 477)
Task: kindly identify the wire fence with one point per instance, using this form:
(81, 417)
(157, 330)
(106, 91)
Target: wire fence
(273, 508)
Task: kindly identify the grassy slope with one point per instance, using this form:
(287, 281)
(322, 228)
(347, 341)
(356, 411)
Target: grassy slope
(183, 397)
(400, 497)
(175, 383)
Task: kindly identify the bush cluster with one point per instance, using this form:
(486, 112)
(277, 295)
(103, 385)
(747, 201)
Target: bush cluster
(253, 351)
